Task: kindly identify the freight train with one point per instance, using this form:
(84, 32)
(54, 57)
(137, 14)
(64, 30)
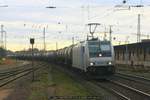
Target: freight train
(91, 57)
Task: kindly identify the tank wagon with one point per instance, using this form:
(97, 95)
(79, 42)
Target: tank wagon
(93, 57)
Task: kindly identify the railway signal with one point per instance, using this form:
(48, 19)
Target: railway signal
(32, 43)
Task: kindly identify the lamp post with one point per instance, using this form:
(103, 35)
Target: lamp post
(126, 49)
(3, 37)
(44, 43)
(5, 46)
(110, 33)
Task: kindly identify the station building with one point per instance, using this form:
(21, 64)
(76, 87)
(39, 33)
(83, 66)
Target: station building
(135, 54)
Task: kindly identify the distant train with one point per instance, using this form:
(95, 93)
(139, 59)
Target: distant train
(92, 57)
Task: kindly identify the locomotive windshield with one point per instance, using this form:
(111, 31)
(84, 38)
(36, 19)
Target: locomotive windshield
(105, 47)
(98, 49)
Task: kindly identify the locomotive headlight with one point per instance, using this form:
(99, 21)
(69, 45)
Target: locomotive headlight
(91, 64)
(100, 55)
(110, 63)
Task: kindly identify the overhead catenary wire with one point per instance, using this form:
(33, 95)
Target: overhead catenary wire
(110, 13)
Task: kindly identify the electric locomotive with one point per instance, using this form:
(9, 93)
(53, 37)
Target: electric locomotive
(94, 57)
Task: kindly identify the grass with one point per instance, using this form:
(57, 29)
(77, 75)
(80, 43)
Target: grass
(65, 85)
(55, 83)
(38, 88)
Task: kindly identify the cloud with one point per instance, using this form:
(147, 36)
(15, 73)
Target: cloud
(26, 18)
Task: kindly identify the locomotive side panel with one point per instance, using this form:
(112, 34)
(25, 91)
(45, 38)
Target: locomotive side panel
(78, 57)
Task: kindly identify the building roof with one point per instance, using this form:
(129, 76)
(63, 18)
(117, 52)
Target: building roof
(134, 45)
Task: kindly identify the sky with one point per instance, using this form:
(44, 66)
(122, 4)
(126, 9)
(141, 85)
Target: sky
(25, 19)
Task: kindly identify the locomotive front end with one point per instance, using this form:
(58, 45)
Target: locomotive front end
(101, 58)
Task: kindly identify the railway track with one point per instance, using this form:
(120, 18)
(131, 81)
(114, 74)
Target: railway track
(93, 86)
(119, 95)
(134, 78)
(136, 82)
(127, 87)
(16, 73)
(123, 91)
(13, 70)
(120, 88)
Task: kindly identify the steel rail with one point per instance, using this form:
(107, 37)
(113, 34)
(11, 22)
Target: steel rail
(134, 77)
(13, 70)
(15, 77)
(119, 95)
(5, 71)
(92, 85)
(130, 88)
(13, 74)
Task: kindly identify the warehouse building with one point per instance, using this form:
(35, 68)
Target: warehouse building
(136, 54)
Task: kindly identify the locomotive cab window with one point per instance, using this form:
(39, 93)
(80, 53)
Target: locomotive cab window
(99, 49)
(105, 47)
(94, 49)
